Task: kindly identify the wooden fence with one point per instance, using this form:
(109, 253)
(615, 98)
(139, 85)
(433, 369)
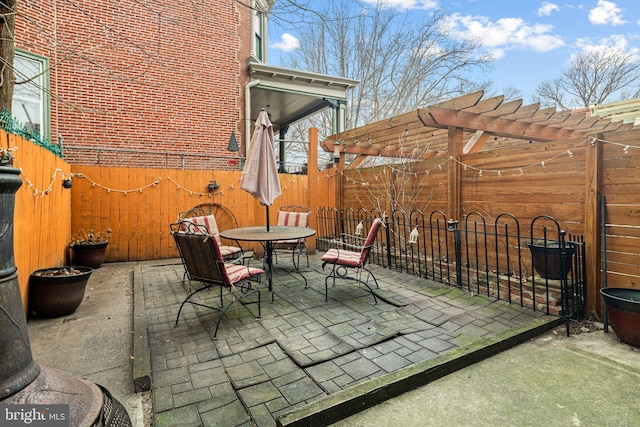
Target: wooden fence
(42, 225)
(562, 179)
(138, 205)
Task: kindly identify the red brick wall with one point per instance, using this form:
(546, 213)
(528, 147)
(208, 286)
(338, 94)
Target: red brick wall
(143, 76)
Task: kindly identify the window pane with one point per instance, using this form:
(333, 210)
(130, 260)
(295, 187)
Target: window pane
(27, 103)
(257, 28)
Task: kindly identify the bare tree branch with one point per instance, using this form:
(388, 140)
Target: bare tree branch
(593, 77)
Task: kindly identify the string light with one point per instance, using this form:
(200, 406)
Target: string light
(199, 194)
(625, 147)
(36, 191)
(115, 190)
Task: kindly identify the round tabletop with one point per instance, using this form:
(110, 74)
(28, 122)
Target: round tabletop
(260, 233)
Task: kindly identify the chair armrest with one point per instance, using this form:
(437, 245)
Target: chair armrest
(351, 242)
(244, 259)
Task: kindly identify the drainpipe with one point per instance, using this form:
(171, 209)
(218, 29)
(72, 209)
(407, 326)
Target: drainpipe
(247, 114)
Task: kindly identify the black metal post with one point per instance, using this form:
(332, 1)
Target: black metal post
(17, 369)
(452, 225)
(23, 383)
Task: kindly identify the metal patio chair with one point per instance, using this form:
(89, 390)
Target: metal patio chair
(203, 262)
(293, 216)
(217, 218)
(355, 258)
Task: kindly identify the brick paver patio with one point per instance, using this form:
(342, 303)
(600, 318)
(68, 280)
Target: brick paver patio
(303, 349)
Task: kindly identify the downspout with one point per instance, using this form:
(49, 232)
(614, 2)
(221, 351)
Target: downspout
(247, 114)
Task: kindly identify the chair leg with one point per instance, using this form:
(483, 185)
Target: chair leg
(334, 274)
(186, 300)
(238, 299)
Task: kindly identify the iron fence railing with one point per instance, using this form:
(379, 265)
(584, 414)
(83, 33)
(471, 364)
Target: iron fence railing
(489, 258)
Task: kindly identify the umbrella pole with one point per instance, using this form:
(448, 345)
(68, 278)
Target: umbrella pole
(268, 226)
(269, 258)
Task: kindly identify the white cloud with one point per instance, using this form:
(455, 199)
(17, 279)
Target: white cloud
(287, 43)
(504, 34)
(617, 41)
(547, 8)
(606, 12)
(404, 4)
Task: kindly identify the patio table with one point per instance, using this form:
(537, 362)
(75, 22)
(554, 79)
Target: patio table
(267, 237)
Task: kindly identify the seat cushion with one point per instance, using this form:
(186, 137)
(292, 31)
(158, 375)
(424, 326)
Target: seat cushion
(342, 257)
(289, 242)
(229, 250)
(237, 273)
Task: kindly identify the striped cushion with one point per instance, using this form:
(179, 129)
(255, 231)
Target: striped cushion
(371, 237)
(350, 258)
(342, 257)
(208, 221)
(290, 241)
(293, 219)
(236, 273)
(229, 250)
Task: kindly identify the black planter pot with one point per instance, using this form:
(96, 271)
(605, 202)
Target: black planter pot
(549, 262)
(89, 254)
(623, 307)
(53, 295)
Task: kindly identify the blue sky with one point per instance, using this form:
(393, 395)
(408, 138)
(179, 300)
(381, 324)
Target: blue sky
(530, 40)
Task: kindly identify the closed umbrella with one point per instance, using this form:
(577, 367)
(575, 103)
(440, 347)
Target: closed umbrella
(260, 175)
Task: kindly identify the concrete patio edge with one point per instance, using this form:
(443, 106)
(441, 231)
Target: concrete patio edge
(141, 371)
(347, 402)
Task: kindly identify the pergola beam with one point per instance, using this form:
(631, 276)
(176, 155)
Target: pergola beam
(499, 126)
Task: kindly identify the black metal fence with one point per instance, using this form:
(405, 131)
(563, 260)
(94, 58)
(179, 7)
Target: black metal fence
(489, 258)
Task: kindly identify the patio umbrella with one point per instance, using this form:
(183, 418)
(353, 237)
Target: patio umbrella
(260, 175)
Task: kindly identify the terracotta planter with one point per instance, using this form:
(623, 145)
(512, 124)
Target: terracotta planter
(547, 260)
(89, 254)
(52, 294)
(623, 307)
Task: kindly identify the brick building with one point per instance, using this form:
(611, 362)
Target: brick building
(156, 84)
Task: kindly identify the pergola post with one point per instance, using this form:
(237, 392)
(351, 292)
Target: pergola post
(454, 147)
(592, 221)
(312, 185)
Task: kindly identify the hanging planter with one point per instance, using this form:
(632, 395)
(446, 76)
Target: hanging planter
(548, 260)
(55, 292)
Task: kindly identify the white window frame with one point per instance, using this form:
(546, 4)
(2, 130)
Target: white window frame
(34, 93)
(259, 30)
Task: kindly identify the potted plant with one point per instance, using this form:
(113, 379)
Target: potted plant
(547, 258)
(57, 291)
(89, 248)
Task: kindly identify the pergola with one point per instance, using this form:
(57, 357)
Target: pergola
(468, 124)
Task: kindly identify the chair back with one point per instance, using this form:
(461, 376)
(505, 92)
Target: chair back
(205, 225)
(197, 248)
(225, 219)
(368, 243)
(293, 219)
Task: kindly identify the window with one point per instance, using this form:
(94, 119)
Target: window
(258, 34)
(30, 103)
(259, 43)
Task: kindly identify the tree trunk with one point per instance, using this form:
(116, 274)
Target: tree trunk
(7, 48)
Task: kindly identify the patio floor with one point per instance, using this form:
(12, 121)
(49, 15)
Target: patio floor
(311, 362)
